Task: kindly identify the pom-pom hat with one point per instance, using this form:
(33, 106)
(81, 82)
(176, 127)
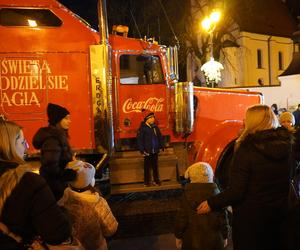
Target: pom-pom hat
(56, 113)
(85, 174)
(200, 172)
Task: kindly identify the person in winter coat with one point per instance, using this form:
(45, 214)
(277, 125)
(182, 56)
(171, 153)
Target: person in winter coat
(56, 152)
(287, 120)
(92, 217)
(194, 231)
(150, 142)
(259, 183)
(27, 205)
(296, 114)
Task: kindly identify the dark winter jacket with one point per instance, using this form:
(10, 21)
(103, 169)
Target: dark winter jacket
(296, 114)
(31, 210)
(296, 147)
(55, 155)
(200, 232)
(149, 138)
(258, 189)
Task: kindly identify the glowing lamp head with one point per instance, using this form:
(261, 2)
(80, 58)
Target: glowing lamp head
(206, 24)
(215, 16)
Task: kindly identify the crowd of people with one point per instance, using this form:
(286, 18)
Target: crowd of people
(262, 171)
(62, 207)
(58, 207)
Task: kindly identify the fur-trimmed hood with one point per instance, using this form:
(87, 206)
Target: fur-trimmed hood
(86, 196)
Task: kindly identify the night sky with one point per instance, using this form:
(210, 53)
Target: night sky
(87, 9)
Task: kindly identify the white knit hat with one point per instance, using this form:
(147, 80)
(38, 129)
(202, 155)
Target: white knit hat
(200, 172)
(85, 174)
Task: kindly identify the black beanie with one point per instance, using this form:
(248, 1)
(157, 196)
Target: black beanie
(56, 113)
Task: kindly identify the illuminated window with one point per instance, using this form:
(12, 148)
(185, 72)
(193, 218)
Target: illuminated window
(259, 59)
(140, 69)
(280, 60)
(28, 17)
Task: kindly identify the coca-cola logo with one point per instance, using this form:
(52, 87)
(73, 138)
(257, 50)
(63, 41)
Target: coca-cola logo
(152, 104)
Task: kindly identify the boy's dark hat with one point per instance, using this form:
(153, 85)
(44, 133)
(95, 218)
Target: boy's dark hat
(56, 113)
(148, 115)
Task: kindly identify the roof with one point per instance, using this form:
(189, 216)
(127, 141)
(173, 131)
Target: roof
(294, 67)
(270, 17)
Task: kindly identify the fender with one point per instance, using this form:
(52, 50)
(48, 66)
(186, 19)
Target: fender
(212, 148)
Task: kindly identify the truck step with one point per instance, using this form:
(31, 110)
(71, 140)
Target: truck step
(139, 187)
(127, 171)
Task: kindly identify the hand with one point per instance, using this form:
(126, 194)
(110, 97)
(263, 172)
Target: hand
(178, 243)
(225, 242)
(203, 208)
(145, 153)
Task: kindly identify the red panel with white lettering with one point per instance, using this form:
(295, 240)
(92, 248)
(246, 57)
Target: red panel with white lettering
(29, 82)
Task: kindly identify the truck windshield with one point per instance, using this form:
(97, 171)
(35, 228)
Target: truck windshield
(140, 69)
(28, 17)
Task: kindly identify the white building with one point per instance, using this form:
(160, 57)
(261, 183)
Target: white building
(264, 32)
(258, 61)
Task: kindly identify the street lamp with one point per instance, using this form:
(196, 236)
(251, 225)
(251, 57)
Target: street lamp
(209, 23)
(212, 69)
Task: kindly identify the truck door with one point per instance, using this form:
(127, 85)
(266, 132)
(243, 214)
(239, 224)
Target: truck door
(140, 85)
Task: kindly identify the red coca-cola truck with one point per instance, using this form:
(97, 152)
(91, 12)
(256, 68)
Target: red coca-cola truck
(48, 54)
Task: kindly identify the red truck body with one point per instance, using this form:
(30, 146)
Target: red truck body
(54, 58)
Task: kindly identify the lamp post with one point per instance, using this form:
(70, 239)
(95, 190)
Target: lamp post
(212, 69)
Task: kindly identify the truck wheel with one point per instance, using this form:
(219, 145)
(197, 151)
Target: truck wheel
(223, 166)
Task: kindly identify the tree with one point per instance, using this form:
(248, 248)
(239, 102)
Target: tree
(169, 22)
(199, 41)
(172, 21)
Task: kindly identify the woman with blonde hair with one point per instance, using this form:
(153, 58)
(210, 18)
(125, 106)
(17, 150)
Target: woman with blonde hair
(287, 120)
(27, 205)
(259, 182)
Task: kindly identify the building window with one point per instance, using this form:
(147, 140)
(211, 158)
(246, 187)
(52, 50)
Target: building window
(259, 59)
(280, 60)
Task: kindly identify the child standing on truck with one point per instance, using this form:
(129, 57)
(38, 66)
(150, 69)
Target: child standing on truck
(150, 142)
(194, 231)
(55, 149)
(90, 213)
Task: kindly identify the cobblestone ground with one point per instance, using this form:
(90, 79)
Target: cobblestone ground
(145, 214)
(146, 220)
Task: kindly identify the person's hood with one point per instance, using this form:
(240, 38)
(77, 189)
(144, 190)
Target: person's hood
(86, 196)
(45, 133)
(273, 143)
